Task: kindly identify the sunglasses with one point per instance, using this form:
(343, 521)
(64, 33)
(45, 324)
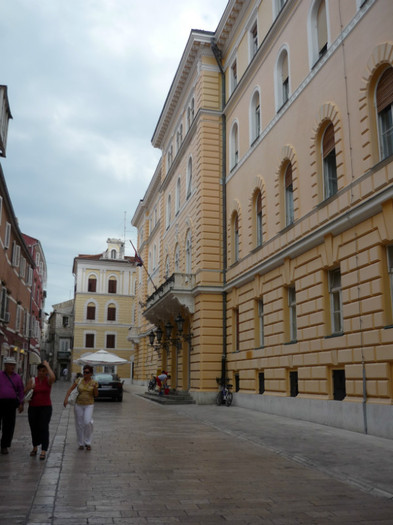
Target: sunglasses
(86, 372)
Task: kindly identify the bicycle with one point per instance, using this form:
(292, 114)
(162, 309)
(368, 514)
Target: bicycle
(151, 387)
(225, 396)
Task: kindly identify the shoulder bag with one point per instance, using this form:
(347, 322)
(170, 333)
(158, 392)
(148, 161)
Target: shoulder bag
(29, 394)
(74, 395)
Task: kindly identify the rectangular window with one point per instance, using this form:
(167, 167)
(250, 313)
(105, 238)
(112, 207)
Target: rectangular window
(89, 340)
(339, 391)
(65, 321)
(3, 303)
(336, 315)
(292, 313)
(65, 345)
(261, 323)
(293, 383)
(235, 329)
(19, 314)
(237, 382)
(22, 268)
(15, 254)
(110, 340)
(390, 271)
(111, 314)
(7, 235)
(261, 382)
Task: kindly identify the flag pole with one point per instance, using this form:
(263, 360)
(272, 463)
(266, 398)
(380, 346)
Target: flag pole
(140, 263)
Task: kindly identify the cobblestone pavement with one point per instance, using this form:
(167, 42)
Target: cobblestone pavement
(153, 464)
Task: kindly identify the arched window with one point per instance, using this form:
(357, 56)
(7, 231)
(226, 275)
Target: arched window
(329, 162)
(113, 254)
(234, 145)
(233, 76)
(235, 226)
(258, 218)
(188, 253)
(282, 79)
(255, 118)
(322, 28)
(317, 27)
(168, 212)
(178, 187)
(111, 312)
(91, 312)
(177, 258)
(154, 256)
(112, 285)
(189, 177)
(384, 103)
(277, 6)
(288, 193)
(92, 284)
(253, 40)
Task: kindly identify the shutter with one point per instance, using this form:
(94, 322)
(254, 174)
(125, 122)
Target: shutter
(328, 140)
(385, 90)
(259, 203)
(288, 176)
(322, 26)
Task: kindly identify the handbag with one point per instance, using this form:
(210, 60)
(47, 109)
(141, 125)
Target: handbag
(74, 395)
(29, 393)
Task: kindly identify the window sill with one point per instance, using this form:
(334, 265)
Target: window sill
(294, 341)
(388, 327)
(337, 334)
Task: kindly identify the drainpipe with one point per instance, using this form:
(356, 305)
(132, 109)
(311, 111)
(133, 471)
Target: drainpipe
(218, 56)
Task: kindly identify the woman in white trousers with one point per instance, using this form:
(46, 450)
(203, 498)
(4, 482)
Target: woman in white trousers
(84, 407)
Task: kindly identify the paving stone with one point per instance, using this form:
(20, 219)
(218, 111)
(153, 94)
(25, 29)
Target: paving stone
(190, 464)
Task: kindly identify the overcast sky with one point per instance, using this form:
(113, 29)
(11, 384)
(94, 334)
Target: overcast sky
(87, 80)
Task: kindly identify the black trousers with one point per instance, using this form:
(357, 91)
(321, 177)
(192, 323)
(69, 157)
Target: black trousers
(39, 418)
(7, 421)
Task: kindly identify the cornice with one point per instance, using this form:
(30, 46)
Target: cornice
(197, 40)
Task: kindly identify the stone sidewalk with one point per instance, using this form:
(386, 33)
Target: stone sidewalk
(196, 465)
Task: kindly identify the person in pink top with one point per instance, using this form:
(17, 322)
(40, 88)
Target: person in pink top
(40, 407)
(11, 398)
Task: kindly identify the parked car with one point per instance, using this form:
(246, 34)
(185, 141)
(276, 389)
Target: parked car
(109, 386)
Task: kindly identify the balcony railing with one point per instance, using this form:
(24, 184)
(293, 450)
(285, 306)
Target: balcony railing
(174, 293)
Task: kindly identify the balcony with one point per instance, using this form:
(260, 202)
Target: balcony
(64, 356)
(173, 295)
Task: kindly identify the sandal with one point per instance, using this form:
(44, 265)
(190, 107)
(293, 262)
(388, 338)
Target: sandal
(88, 447)
(43, 455)
(33, 453)
(81, 447)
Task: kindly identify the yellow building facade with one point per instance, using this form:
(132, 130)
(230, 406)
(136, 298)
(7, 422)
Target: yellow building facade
(279, 261)
(104, 304)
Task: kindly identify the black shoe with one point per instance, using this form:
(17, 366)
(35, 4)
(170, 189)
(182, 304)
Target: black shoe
(4, 450)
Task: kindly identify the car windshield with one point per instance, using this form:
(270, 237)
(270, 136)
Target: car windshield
(103, 378)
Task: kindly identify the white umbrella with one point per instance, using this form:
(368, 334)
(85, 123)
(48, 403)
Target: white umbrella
(102, 357)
